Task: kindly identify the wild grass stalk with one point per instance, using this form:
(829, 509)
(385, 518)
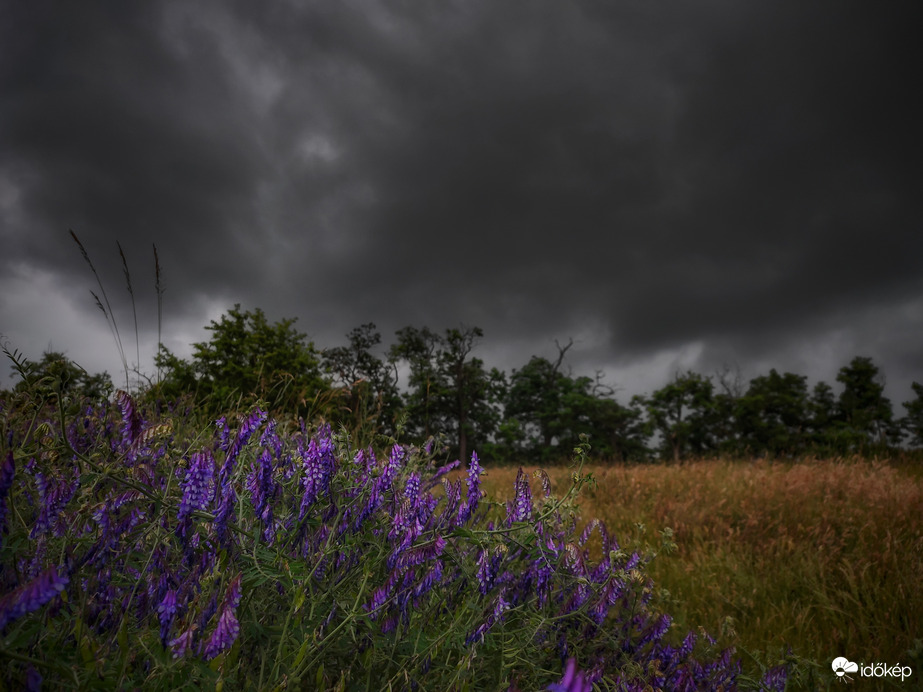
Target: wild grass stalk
(107, 308)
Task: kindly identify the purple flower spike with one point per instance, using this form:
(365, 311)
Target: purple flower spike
(167, 613)
(573, 680)
(33, 679)
(775, 679)
(521, 508)
(31, 596)
(248, 426)
(7, 471)
(197, 484)
(180, 645)
(319, 466)
(131, 421)
(228, 627)
(474, 490)
(225, 511)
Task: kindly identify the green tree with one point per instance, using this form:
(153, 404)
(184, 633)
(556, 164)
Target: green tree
(617, 432)
(546, 411)
(56, 375)
(683, 413)
(912, 423)
(367, 384)
(535, 400)
(248, 356)
(418, 349)
(450, 392)
(773, 414)
(828, 433)
(862, 405)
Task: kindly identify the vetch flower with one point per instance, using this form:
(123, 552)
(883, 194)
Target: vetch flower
(180, 645)
(7, 471)
(248, 426)
(131, 420)
(166, 614)
(225, 511)
(228, 627)
(500, 607)
(573, 680)
(32, 596)
(197, 486)
(430, 578)
(474, 490)
(319, 464)
(520, 508)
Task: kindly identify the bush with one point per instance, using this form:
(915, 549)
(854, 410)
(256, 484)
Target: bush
(139, 551)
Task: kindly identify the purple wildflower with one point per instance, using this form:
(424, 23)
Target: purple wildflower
(7, 471)
(197, 485)
(431, 577)
(440, 472)
(775, 679)
(319, 463)
(228, 627)
(53, 496)
(224, 434)
(131, 421)
(573, 680)
(225, 511)
(248, 426)
(262, 489)
(421, 554)
(181, 644)
(270, 438)
(500, 607)
(33, 679)
(487, 570)
(32, 596)
(412, 489)
(657, 630)
(521, 507)
(166, 613)
(474, 490)
(452, 501)
(382, 594)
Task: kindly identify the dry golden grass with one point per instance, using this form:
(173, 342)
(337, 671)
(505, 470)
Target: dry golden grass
(824, 556)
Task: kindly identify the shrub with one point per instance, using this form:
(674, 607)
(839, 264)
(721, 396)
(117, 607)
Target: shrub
(138, 551)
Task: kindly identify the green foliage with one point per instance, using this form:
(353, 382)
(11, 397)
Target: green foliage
(56, 375)
(913, 422)
(248, 356)
(139, 552)
(683, 413)
(547, 412)
(450, 392)
(863, 407)
(367, 394)
(773, 414)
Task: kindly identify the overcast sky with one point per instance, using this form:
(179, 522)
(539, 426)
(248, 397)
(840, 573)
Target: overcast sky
(674, 185)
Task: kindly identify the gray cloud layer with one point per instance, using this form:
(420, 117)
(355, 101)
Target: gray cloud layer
(674, 184)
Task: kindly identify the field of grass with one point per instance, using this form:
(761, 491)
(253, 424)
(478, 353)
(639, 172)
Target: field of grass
(822, 556)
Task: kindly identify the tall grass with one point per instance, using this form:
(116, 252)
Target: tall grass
(823, 556)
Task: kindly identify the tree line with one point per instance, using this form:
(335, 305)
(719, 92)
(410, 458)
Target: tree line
(430, 385)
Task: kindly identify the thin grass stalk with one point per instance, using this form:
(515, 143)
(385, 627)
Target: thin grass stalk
(107, 310)
(134, 308)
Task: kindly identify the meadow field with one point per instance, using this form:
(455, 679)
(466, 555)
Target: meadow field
(823, 556)
(146, 547)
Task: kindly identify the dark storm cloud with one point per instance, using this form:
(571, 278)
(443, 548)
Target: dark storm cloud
(741, 177)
